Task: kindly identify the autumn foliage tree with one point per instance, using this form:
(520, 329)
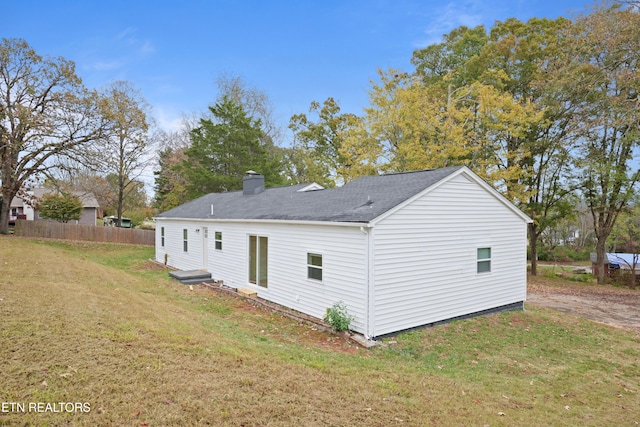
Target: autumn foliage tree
(319, 138)
(62, 207)
(474, 99)
(598, 79)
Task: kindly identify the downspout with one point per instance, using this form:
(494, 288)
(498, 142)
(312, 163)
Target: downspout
(369, 310)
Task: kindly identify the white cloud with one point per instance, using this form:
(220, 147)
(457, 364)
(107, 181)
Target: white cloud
(452, 15)
(167, 118)
(105, 66)
(126, 34)
(147, 48)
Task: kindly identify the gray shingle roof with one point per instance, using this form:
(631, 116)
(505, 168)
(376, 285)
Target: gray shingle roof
(361, 200)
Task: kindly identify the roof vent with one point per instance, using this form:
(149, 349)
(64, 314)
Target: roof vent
(252, 183)
(311, 187)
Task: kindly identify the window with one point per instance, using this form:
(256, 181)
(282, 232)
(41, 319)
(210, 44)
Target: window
(162, 236)
(218, 240)
(314, 266)
(484, 260)
(258, 256)
(185, 240)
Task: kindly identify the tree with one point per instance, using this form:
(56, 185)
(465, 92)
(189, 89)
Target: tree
(599, 78)
(46, 114)
(63, 207)
(224, 148)
(176, 183)
(255, 103)
(506, 70)
(124, 147)
(411, 125)
(322, 140)
(451, 61)
(625, 236)
(299, 166)
(170, 184)
(428, 126)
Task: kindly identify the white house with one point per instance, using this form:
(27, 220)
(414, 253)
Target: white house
(400, 250)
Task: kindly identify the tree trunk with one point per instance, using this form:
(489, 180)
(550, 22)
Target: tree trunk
(533, 246)
(601, 259)
(120, 207)
(4, 212)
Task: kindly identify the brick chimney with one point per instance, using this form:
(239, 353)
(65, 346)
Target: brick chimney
(252, 183)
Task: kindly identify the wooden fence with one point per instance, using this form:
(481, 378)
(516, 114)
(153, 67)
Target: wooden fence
(92, 233)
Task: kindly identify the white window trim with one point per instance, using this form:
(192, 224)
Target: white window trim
(216, 240)
(162, 237)
(321, 268)
(185, 240)
(490, 259)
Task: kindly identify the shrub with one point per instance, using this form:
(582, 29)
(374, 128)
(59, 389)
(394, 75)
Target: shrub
(562, 254)
(338, 316)
(63, 207)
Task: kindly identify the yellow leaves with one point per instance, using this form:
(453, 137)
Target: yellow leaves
(361, 154)
(413, 126)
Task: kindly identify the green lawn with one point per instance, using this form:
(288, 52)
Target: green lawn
(94, 325)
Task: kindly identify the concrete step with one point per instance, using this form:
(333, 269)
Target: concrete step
(190, 275)
(196, 281)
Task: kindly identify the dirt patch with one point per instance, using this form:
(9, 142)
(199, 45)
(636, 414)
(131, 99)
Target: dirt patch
(309, 331)
(605, 304)
(152, 265)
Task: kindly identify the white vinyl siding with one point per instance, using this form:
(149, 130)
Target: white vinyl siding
(174, 244)
(344, 263)
(426, 257)
(415, 265)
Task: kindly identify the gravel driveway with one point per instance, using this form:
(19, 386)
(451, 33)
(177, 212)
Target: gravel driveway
(609, 305)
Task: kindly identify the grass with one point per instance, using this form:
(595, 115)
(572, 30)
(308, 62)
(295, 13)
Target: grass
(92, 323)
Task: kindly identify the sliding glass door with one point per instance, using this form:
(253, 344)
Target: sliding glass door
(258, 256)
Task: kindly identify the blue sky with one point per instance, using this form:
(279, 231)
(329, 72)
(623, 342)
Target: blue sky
(294, 51)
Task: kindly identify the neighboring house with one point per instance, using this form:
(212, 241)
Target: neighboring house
(26, 207)
(400, 250)
(20, 209)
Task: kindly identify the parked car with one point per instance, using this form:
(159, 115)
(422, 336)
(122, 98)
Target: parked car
(112, 221)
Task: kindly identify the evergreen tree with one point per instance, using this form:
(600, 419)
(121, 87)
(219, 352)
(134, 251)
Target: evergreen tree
(224, 148)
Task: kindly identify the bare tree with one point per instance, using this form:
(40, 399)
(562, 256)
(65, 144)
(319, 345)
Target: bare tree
(254, 101)
(170, 185)
(46, 115)
(125, 151)
(601, 81)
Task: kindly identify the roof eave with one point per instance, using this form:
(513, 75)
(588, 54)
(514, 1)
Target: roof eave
(270, 221)
(469, 173)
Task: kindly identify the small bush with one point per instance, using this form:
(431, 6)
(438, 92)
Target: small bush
(338, 316)
(562, 254)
